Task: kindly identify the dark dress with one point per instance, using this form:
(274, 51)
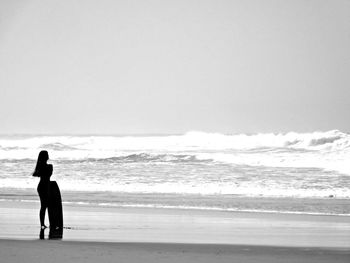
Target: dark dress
(44, 184)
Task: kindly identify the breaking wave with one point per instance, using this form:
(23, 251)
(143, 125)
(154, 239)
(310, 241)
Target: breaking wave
(327, 150)
(331, 140)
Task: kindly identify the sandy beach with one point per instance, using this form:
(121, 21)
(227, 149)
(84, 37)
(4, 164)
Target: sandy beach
(71, 251)
(172, 235)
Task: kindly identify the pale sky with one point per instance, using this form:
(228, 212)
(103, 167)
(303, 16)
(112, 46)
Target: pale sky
(116, 67)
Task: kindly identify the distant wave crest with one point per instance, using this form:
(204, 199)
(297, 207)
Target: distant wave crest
(148, 158)
(334, 139)
(327, 150)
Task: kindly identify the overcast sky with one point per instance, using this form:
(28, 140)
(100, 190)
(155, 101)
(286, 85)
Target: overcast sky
(116, 67)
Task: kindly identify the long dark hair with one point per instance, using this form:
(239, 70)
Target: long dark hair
(41, 163)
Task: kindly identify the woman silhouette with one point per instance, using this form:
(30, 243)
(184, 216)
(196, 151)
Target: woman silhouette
(44, 171)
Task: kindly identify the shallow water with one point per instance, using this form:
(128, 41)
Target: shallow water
(306, 173)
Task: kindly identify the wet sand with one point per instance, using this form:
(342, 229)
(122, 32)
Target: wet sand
(72, 251)
(172, 235)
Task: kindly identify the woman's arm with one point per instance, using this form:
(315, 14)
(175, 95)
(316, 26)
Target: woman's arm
(50, 169)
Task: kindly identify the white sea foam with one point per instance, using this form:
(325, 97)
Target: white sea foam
(327, 150)
(183, 207)
(331, 140)
(250, 188)
(271, 165)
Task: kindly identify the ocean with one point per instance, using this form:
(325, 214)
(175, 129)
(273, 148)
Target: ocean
(277, 173)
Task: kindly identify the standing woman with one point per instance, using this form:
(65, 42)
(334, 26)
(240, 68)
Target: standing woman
(44, 171)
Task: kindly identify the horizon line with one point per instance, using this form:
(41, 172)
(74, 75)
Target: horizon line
(155, 134)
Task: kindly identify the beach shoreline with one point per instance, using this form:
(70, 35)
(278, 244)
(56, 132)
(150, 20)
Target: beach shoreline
(107, 234)
(19, 220)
